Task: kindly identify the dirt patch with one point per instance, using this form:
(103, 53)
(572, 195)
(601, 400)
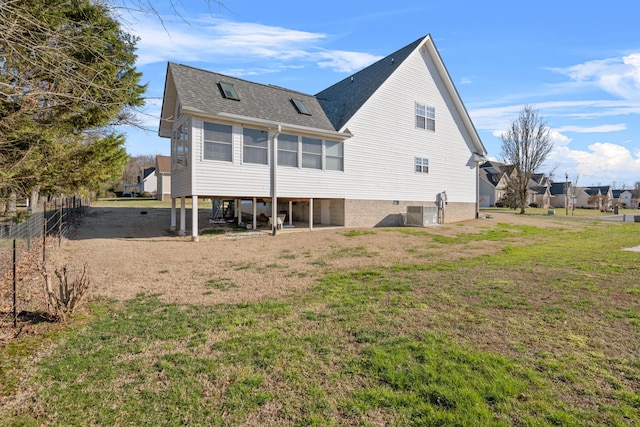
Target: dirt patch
(129, 252)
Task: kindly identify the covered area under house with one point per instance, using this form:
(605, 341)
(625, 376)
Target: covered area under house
(256, 213)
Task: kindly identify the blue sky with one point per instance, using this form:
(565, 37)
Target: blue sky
(577, 62)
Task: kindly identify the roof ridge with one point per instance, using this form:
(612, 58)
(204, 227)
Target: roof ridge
(268, 85)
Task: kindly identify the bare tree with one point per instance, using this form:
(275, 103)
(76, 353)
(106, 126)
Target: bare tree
(135, 165)
(525, 146)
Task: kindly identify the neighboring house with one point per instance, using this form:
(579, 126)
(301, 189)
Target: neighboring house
(630, 199)
(493, 182)
(393, 135)
(598, 197)
(560, 195)
(163, 176)
(625, 198)
(147, 181)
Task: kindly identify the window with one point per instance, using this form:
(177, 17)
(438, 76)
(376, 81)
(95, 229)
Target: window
(425, 117)
(254, 143)
(288, 150)
(217, 142)
(228, 91)
(180, 148)
(422, 165)
(334, 155)
(311, 153)
(301, 107)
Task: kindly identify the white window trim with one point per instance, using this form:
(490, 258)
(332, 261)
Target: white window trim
(429, 115)
(420, 161)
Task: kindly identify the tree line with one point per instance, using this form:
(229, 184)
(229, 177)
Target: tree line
(67, 76)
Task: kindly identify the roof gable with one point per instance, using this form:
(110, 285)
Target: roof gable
(163, 164)
(342, 100)
(148, 171)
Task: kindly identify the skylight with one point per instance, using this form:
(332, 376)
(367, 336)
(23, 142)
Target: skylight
(228, 91)
(299, 104)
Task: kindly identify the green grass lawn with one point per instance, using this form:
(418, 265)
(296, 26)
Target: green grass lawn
(561, 212)
(545, 332)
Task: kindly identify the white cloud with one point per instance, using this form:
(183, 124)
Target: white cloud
(602, 162)
(558, 138)
(617, 76)
(465, 81)
(593, 129)
(345, 61)
(210, 39)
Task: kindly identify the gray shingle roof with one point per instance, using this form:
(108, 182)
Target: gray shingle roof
(342, 100)
(198, 91)
(557, 188)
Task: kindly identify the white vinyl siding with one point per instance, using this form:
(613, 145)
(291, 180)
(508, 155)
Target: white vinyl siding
(255, 146)
(217, 142)
(288, 148)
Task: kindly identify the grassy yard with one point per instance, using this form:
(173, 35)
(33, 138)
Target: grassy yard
(561, 212)
(544, 332)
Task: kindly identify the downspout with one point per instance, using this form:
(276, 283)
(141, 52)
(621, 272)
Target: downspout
(274, 181)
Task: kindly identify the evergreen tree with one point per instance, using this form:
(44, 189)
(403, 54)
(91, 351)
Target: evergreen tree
(66, 68)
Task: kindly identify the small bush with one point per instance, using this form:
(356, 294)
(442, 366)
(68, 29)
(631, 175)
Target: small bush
(533, 205)
(66, 295)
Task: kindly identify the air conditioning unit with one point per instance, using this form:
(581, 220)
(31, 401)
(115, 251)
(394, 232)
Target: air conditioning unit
(421, 216)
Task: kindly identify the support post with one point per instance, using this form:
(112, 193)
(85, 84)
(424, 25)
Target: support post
(183, 213)
(255, 213)
(194, 219)
(290, 211)
(173, 215)
(310, 214)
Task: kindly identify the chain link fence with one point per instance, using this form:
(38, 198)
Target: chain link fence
(24, 247)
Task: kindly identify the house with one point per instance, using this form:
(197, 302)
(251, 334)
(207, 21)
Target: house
(357, 154)
(629, 199)
(147, 181)
(163, 177)
(597, 197)
(493, 182)
(560, 194)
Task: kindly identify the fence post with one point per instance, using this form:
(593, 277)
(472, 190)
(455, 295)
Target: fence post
(44, 240)
(60, 227)
(15, 287)
(28, 233)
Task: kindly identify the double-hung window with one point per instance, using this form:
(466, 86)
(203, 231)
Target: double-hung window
(255, 146)
(421, 165)
(425, 117)
(288, 150)
(217, 142)
(334, 155)
(311, 153)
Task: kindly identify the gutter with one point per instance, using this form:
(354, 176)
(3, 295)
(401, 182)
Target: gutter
(274, 181)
